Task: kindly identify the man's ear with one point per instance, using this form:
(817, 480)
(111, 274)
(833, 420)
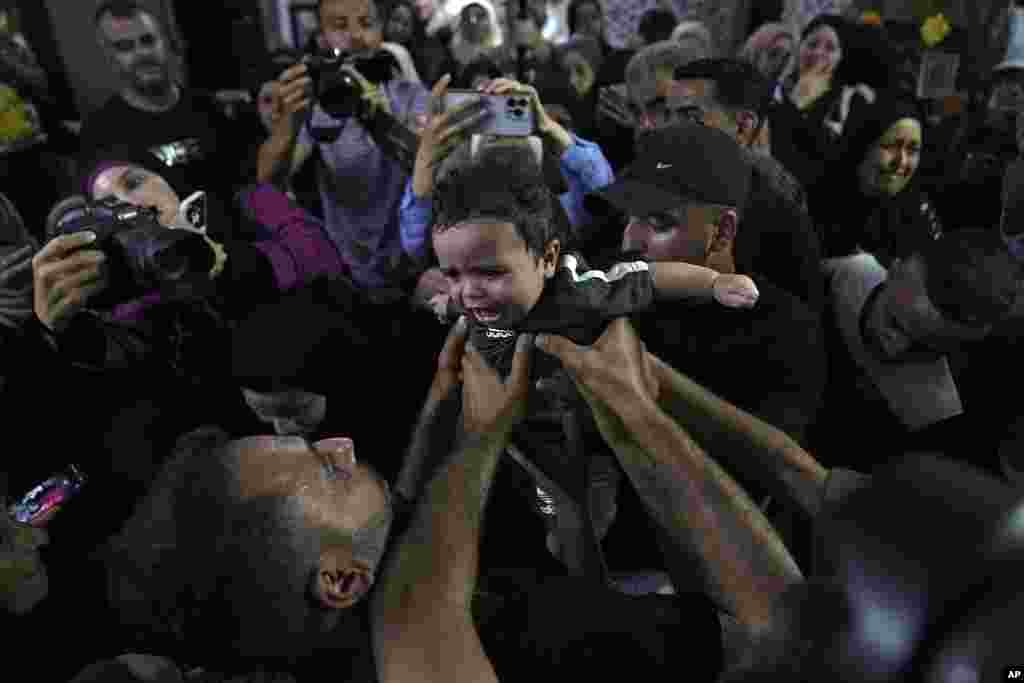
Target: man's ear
(725, 231)
(339, 581)
(552, 250)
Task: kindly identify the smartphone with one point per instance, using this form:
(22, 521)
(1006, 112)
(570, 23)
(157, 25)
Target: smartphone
(511, 114)
(43, 501)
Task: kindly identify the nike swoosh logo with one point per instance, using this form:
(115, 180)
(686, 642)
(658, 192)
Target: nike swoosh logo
(661, 166)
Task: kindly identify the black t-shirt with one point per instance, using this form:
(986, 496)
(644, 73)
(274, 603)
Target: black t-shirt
(768, 360)
(193, 135)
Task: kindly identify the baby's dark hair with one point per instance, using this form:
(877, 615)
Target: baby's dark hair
(503, 182)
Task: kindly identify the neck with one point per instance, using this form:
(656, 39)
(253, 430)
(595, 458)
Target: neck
(152, 103)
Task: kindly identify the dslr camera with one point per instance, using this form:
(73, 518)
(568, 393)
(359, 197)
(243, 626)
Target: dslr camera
(337, 92)
(142, 255)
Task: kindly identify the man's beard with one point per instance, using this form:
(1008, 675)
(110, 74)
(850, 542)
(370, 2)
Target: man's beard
(153, 87)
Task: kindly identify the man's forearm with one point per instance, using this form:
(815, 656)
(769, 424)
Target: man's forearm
(706, 514)
(433, 438)
(438, 555)
(422, 619)
(741, 441)
(274, 160)
(677, 280)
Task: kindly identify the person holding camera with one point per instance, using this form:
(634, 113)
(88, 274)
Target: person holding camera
(131, 289)
(360, 185)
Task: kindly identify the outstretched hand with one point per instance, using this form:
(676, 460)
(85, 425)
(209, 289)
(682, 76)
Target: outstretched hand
(616, 371)
(444, 131)
(491, 405)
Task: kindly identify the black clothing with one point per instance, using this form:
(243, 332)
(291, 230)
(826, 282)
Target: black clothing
(193, 136)
(776, 236)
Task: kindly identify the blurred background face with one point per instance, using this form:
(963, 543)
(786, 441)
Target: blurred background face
(475, 24)
(425, 8)
(590, 20)
(399, 26)
(892, 161)
(820, 50)
(581, 74)
(138, 51)
(773, 59)
(350, 24)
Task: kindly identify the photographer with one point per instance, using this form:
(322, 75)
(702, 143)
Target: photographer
(165, 356)
(360, 186)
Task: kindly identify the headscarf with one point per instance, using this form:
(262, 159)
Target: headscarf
(698, 31)
(868, 123)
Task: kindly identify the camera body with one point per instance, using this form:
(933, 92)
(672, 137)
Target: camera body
(142, 255)
(337, 92)
(511, 114)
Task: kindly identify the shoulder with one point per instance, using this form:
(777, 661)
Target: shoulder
(770, 174)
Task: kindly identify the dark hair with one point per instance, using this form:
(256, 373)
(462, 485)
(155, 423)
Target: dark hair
(970, 276)
(574, 7)
(738, 85)
(121, 9)
(419, 29)
(656, 25)
(867, 57)
(482, 65)
(503, 182)
(228, 582)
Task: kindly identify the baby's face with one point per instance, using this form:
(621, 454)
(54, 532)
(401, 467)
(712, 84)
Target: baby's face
(492, 274)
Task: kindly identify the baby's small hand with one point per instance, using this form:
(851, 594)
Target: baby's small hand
(735, 291)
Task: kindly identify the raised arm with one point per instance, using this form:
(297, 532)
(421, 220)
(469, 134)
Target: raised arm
(281, 154)
(741, 441)
(423, 625)
(699, 506)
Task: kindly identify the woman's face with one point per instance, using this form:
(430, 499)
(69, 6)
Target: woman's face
(773, 58)
(891, 162)
(581, 74)
(590, 20)
(475, 24)
(399, 26)
(820, 50)
(139, 187)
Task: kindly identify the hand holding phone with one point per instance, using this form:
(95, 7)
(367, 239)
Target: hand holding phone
(511, 114)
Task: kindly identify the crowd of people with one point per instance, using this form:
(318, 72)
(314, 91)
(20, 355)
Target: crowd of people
(709, 377)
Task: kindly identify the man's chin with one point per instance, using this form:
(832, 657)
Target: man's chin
(153, 88)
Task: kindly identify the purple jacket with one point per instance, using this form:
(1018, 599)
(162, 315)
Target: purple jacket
(299, 250)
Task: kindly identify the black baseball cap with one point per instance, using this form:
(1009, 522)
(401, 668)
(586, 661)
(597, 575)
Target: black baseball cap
(680, 164)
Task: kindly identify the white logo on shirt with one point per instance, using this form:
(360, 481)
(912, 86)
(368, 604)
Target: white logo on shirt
(660, 166)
